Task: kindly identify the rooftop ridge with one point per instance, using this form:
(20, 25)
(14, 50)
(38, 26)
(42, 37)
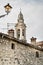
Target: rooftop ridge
(20, 42)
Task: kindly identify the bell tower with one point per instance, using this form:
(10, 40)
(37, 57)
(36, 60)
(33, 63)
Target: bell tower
(20, 28)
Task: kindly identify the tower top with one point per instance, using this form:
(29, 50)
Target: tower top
(20, 15)
(20, 9)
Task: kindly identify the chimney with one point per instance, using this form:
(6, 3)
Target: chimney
(11, 33)
(33, 40)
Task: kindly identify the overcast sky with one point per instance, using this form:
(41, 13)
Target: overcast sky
(33, 16)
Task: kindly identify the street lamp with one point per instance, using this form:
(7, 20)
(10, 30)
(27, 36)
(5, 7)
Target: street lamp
(7, 10)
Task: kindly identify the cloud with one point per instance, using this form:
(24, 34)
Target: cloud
(33, 1)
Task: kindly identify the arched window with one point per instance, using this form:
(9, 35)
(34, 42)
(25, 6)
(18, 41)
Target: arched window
(18, 33)
(23, 32)
(37, 54)
(12, 46)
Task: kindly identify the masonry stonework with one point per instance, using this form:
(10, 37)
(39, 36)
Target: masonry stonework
(20, 55)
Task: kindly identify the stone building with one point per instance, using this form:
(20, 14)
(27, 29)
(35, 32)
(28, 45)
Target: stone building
(16, 50)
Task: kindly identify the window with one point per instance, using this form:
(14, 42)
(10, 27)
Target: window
(23, 32)
(18, 33)
(37, 54)
(13, 46)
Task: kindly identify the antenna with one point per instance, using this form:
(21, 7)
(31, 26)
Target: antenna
(10, 26)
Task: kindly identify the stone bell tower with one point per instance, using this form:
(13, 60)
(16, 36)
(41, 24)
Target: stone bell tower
(20, 28)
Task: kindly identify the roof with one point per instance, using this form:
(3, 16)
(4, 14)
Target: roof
(8, 5)
(11, 30)
(33, 38)
(40, 43)
(20, 42)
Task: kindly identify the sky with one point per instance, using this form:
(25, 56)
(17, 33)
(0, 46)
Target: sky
(32, 11)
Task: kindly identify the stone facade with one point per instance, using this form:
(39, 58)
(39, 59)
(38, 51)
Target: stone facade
(20, 54)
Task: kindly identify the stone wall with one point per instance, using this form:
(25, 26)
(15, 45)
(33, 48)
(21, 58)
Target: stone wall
(20, 55)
